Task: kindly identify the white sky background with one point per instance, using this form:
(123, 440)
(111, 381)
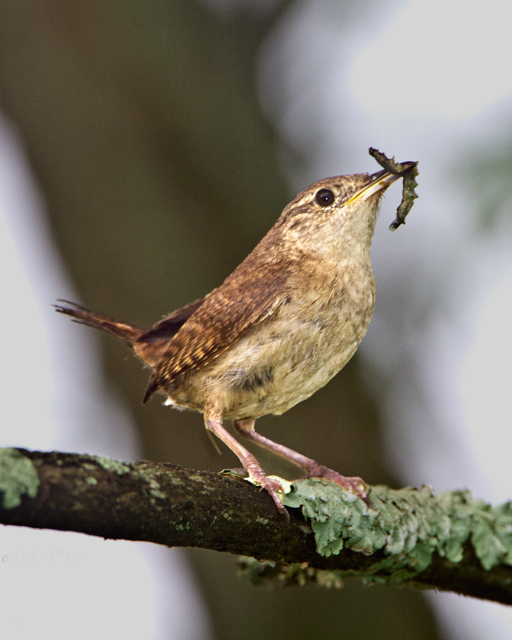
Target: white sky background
(53, 397)
(425, 80)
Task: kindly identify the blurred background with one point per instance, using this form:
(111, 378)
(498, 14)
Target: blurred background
(145, 148)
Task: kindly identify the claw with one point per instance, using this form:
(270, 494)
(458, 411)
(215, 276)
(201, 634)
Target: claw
(275, 489)
(353, 484)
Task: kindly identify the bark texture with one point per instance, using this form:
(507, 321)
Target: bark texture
(166, 504)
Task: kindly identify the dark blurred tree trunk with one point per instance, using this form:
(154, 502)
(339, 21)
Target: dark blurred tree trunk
(160, 173)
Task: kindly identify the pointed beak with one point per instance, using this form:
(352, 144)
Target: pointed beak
(380, 181)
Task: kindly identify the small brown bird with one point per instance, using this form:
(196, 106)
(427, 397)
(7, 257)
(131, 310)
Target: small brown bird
(280, 326)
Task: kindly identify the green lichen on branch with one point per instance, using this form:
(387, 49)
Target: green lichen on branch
(409, 171)
(408, 526)
(467, 542)
(278, 575)
(111, 465)
(18, 477)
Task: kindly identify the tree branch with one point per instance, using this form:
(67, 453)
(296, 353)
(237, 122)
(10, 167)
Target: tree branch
(165, 504)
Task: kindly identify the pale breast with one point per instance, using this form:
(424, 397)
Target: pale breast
(287, 358)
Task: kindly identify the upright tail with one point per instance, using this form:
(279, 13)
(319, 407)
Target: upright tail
(127, 332)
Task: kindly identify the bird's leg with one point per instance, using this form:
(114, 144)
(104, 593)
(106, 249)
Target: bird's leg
(355, 485)
(249, 462)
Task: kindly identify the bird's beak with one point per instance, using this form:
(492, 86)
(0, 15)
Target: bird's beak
(380, 181)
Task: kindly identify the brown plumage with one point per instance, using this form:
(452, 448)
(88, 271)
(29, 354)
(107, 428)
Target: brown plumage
(278, 328)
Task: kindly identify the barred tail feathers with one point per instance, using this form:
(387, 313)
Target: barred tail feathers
(127, 332)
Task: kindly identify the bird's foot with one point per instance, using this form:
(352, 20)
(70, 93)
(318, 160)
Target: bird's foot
(353, 484)
(277, 492)
(271, 486)
(260, 479)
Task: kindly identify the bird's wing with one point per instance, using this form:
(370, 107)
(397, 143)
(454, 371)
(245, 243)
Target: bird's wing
(245, 299)
(169, 326)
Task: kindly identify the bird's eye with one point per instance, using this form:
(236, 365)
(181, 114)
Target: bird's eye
(324, 197)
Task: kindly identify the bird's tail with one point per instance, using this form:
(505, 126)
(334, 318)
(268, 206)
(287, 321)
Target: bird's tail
(127, 332)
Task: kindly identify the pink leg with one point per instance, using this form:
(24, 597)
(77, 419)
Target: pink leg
(249, 462)
(356, 485)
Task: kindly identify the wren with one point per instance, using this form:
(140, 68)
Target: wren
(279, 327)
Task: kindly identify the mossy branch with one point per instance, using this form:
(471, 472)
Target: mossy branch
(448, 542)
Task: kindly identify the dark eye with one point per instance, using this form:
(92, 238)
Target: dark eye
(324, 197)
